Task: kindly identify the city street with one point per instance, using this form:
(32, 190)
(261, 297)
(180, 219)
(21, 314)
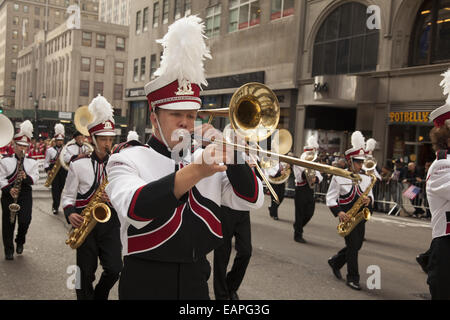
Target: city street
(280, 269)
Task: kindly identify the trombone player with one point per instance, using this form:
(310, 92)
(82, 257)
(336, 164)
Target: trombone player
(341, 196)
(86, 174)
(305, 180)
(56, 175)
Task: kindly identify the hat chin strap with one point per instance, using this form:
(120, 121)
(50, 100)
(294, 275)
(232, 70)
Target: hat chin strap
(161, 134)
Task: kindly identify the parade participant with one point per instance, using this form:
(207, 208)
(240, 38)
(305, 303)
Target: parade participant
(86, 175)
(438, 194)
(18, 173)
(341, 196)
(132, 135)
(235, 223)
(51, 158)
(279, 170)
(169, 205)
(79, 148)
(305, 180)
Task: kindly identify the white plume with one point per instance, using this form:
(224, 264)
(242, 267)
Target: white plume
(184, 51)
(312, 142)
(445, 84)
(26, 128)
(371, 144)
(132, 135)
(358, 140)
(101, 109)
(59, 129)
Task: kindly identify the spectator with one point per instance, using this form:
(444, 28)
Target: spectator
(413, 178)
(384, 192)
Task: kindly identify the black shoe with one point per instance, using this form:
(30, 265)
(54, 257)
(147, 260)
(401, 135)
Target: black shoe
(299, 239)
(55, 211)
(336, 271)
(19, 249)
(275, 218)
(354, 285)
(423, 262)
(234, 295)
(9, 256)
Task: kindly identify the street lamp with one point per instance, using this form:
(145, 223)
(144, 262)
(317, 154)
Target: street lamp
(36, 107)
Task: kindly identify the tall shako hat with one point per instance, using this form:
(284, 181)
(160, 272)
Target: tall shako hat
(25, 134)
(103, 113)
(181, 73)
(358, 145)
(132, 135)
(371, 144)
(311, 146)
(59, 132)
(441, 116)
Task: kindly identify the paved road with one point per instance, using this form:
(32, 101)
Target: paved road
(279, 269)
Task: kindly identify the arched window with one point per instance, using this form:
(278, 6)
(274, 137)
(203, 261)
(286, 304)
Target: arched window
(344, 43)
(431, 35)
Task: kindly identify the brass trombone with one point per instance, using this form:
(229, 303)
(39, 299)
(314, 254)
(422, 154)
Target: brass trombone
(254, 113)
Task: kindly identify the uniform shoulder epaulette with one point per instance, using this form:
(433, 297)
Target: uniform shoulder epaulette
(127, 144)
(441, 154)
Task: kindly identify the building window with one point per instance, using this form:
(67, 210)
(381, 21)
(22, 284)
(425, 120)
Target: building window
(101, 39)
(13, 75)
(86, 39)
(155, 14)
(165, 11)
(25, 9)
(136, 70)
(85, 64)
(430, 42)
(344, 44)
(98, 88)
(37, 24)
(177, 10)
(120, 44)
(153, 66)
(119, 68)
(84, 88)
(15, 48)
(15, 21)
(118, 91)
(282, 8)
(143, 60)
(13, 89)
(213, 21)
(187, 7)
(138, 22)
(37, 11)
(15, 34)
(99, 65)
(244, 14)
(16, 7)
(145, 19)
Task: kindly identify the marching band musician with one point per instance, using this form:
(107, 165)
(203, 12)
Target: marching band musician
(51, 157)
(341, 196)
(169, 204)
(85, 176)
(276, 171)
(9, 173)
(305, 203)
(78, 149)
(438, 194)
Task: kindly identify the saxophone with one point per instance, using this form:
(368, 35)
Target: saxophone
(52, 173)
(95, 211)
(15, 207)
(355, 216)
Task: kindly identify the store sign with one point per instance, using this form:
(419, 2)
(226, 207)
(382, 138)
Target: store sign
(409, 117)
(65, 115)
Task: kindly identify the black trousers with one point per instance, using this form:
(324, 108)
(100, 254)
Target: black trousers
(439, 269)
(349, 254)
(103, 243)
(23, 218)
(304, 208)
(57, 188)
(160, 280)
(234, 224)
(279, 190)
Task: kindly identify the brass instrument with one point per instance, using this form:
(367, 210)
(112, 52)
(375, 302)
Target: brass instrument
(52, 173)
(95, 211)
(82, 118)
(254, 113)
(310, 174)
(283, 139)
(355, 216)
(15, 207)
(64, 150)
(286, 172)
(6, 130)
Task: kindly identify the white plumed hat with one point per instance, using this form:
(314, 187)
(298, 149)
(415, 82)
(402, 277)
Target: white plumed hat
(371, 144)
(132, 135)
(59, 131)
(25, 134)
(103, 113)
(441, 115)
(358, 146)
